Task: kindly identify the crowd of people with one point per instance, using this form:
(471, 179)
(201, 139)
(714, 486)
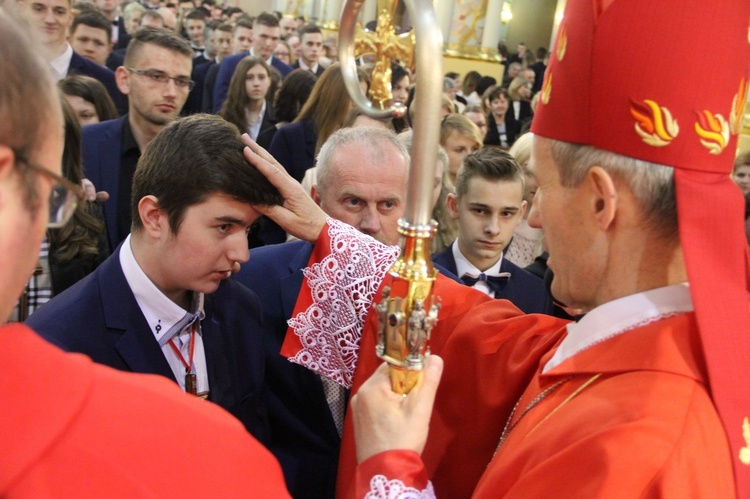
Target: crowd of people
(222, 217)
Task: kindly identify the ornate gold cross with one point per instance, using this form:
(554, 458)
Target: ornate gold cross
(387, 46)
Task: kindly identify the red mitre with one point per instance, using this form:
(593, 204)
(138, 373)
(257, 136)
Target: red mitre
(666, 82)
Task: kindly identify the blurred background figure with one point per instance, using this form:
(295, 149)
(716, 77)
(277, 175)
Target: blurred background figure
(72, 252)
(88, 98)
(741, 172)
(247, 105)
(292, 95)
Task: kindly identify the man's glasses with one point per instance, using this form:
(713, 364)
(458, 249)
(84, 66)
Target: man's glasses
(63, 198)
(159, 77)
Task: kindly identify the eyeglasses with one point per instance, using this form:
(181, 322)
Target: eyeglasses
(160, 77)
(63, 198)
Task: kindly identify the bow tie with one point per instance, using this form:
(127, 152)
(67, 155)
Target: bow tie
(496, 283)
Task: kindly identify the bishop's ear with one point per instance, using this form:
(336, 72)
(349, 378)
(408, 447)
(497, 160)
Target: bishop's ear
(603, 196)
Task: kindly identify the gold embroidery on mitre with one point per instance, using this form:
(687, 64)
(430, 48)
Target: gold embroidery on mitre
(562, 42)
(654, 123)
(745, 451)
(713, 131)
(738, 107)
(546, 87)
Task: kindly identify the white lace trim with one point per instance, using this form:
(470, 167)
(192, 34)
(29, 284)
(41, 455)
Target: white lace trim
(343, 287)
(382, 488)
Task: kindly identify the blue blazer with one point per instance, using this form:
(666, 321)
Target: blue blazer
(226, 71)
(99, 317)
(82, 66)
(319, 72)
(525, 290)
(101, 164)
(303, 433)
(293, 146)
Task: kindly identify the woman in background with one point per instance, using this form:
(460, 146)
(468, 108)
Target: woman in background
(294, 92)
(247, 105)
(70, 253)
(88, 98)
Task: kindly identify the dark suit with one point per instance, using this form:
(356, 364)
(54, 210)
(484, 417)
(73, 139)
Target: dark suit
(267, 128)
(524, 290)
(99, 316)
(318, 72)
(293, 146)
(226, 71)
(101, 164)
(81, 66)
(512, 129)
(194, 102)
(209, 83)
(304, 435)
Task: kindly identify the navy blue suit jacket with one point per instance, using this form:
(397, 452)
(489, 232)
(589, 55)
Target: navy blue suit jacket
(99, 316)
(303, 433)
(101, 164)
(226, 71)
(293, 146)
(525, 290)
(82, 66)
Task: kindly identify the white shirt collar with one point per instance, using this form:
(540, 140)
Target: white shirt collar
(621, 315)
(254, 130)
(161, 313)
(61, 63)
(464, 266)
(304, 66)
(269, 61)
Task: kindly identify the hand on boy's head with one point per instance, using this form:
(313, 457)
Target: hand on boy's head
(299, 215)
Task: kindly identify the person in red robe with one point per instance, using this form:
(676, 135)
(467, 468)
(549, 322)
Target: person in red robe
(69, 427)
(644, 395)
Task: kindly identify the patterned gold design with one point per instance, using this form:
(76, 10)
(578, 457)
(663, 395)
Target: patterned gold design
(713, 131)
(466, 24)
(562, 42)
(546, 87)
(738, 106)
(655, 124)
(745, 451)
(387, 46)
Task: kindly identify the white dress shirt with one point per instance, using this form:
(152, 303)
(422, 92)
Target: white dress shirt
(61, 63)
(619, 316)
(164, 317)
(464, 266)
(254, 129)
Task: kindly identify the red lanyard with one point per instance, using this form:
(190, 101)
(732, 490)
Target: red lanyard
(190, 378)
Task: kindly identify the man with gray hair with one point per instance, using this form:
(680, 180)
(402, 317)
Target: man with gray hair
(362, 174)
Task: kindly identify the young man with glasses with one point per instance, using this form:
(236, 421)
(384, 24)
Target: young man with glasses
(71, 427)
(156, 79)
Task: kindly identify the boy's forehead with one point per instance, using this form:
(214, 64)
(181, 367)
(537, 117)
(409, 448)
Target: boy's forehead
(503, 191)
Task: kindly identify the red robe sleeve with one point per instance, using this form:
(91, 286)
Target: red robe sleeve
(397, 474)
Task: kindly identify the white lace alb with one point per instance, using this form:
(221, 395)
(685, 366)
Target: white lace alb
(382, 488)
(343, 286)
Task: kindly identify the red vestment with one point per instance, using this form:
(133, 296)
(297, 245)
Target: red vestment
(646, 427)
(71, 428)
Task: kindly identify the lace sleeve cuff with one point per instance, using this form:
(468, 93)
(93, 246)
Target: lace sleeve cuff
(345, 271)
(397, 474)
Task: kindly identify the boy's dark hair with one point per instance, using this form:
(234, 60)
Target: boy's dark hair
(242, 23)
(93, 20)
(192, 158)
(197, 14)
(267, 19)
(490, 164)
(495, 92)
(161, 37)
(309, 28)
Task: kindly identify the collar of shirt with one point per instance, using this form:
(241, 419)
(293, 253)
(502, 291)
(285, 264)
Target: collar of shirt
(304, 66)
(269, 61)
(161, 313)
(128, 139)
(61, 63)
(464, 266)
(254, 130)
(619, 316)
